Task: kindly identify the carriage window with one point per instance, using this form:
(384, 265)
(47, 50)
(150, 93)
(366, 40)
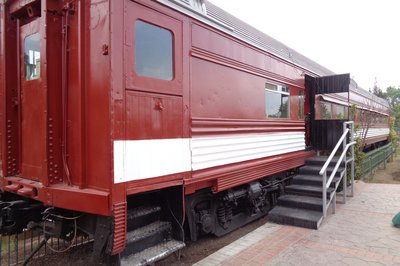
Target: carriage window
(301, 105)
(277, 101)
(32, 56)
(153, 51)
(341, 112)
(323, 110)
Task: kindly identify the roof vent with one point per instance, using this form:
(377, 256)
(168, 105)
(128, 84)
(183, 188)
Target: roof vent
(195, 5)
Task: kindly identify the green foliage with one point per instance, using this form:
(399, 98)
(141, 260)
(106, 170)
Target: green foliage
(340, 116)
(392, 134)
(392, 95)
(377, 91)
(359, 157)
(325, 111)
(352, 114)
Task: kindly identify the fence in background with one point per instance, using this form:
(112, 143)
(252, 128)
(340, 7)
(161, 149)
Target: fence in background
(14, 249)
(377, 157)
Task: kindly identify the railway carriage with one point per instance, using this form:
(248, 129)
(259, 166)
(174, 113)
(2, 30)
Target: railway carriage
(155, 122)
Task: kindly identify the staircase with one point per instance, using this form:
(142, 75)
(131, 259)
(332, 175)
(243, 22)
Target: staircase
(308, 198)
(302, 204)
(148, 238)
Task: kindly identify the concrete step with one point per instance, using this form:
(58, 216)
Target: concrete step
(313, 180)
(295, 216)
(301, 202)
(313, 191)
(314, 170)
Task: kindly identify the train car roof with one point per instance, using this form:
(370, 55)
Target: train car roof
(260, 39)
(211, 14)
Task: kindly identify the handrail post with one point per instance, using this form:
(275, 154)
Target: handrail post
(344, 180)
(353, 159)
(324, 194)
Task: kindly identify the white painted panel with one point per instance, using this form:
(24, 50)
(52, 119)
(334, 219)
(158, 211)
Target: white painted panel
(374, 132)
(216, 151)
(141, 159)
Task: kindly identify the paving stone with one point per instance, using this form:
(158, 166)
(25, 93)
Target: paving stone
(360, 233)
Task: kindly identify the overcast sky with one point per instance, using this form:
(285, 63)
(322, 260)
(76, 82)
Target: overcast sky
(346, 36)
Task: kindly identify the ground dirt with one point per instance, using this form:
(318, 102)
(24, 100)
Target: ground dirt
(206, 246)
(388, 175)
(200, 249)
(192, 253)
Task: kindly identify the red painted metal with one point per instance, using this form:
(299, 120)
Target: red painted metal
(32, 106)
(218, 126)
(227, 176)
(119, 228)
(261, 168)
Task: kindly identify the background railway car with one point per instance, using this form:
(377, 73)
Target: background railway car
(149, 123)
(370, 114)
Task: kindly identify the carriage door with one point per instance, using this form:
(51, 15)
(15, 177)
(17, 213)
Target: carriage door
(32, 102)
(155, 145)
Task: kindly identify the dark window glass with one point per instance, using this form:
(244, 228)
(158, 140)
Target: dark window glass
(32, 56)
(153, 51)
(277, 101)
(301, 105)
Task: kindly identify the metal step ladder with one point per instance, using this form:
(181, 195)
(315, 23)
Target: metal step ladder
(307, 199)
(148, 238)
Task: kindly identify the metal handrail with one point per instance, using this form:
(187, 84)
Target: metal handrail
(345, 124)
(323, 169)
(326, 183)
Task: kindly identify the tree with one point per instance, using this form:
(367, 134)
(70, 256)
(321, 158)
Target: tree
(392, 95)
(376, 90)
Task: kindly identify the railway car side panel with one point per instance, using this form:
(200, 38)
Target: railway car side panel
(97, 98)
(155, 142)
(222, 92)
(9, 93)
(245, 121)
(211, 44)
(2, 86)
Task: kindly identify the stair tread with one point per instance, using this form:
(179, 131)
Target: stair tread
(313, 177)
(153, 254)
(299, 198)
(322, 159)
(308, 188)
(147, 230)
(296, 216)
(142, 211)
(317, 168)
(299, 213)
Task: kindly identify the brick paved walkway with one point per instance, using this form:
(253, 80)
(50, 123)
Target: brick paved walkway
(360, 233)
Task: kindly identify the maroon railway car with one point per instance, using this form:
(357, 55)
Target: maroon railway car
(134, 117)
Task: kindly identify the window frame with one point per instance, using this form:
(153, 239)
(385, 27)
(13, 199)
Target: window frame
(287, 93)
(134, 81)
